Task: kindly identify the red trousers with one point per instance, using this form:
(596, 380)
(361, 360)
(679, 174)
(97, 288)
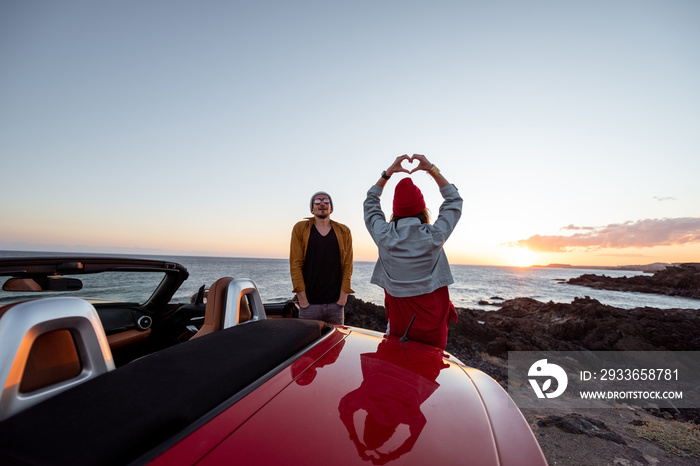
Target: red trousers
(433, 312)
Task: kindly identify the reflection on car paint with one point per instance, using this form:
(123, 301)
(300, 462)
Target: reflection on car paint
(396, 382)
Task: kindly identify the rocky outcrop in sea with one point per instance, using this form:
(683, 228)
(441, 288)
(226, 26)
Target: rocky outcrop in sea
(524, 324)
(680, 280)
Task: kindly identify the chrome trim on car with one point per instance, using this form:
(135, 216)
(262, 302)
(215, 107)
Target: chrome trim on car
(23, 323)
(236, 290)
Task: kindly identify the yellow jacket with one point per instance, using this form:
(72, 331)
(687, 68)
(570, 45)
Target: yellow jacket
(297, 253)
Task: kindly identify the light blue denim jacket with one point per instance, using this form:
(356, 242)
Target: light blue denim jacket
(411, 259)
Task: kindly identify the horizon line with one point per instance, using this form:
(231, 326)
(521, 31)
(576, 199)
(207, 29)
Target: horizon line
(151, 252)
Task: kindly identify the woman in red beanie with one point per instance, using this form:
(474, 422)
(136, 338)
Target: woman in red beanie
(412, 266)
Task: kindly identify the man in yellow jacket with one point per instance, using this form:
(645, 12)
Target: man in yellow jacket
(320, 262)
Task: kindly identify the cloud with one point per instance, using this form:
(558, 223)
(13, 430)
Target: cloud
(645, 233)
(626, 255)
(662, 199)
(575, 228)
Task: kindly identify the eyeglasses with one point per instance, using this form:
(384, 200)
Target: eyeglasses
(325, 200)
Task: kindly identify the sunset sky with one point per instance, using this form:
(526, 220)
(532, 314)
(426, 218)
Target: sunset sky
(572, 129)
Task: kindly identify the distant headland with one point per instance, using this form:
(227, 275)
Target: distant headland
(649, 268)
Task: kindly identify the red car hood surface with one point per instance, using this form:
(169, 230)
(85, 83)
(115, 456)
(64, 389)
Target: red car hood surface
(357, 398)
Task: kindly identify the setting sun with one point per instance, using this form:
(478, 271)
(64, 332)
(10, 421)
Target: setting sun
(521, 257)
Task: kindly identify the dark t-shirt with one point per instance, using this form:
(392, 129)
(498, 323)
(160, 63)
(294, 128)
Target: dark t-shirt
(323, 273)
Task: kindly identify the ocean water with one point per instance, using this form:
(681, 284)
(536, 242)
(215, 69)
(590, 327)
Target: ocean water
(472, 283)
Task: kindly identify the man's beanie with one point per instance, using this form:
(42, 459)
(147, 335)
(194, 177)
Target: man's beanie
(408, 200)
(311, 204)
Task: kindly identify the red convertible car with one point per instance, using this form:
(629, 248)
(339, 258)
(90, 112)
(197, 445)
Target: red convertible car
(94, 378)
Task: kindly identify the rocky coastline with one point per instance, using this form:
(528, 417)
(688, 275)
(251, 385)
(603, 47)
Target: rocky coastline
(482, 339)
(679, 280)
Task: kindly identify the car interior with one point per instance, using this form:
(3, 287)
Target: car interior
(178, 366)
(136, 329)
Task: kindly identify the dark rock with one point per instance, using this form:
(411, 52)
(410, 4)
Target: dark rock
(681, 280)
(585, 324)
(365, 315)
(574, 423)
(483, 302)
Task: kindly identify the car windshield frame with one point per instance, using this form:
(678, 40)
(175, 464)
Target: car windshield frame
(104, 278)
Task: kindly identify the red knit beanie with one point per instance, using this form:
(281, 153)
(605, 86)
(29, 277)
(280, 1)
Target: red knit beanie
(408, 200)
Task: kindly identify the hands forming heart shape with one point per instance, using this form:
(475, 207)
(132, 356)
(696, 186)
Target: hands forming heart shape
(415, 162)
